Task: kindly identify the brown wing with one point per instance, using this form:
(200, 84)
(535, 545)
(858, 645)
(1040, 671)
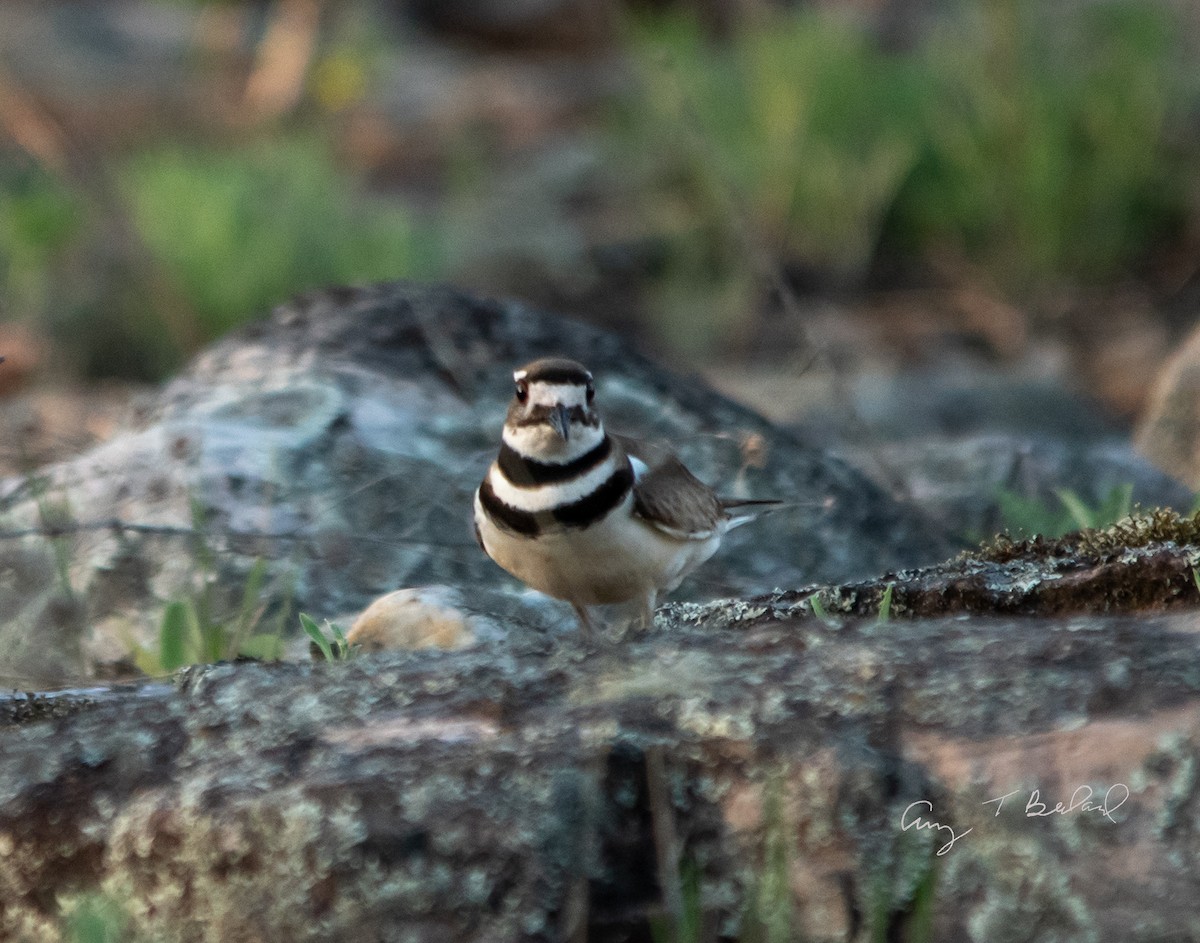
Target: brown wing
(648, 453)
(677, 502)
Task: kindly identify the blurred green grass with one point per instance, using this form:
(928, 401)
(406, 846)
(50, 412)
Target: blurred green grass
(1043, 148)
(1038, 148)
(39, 219)
(800, 123)
(1047, 141)
(239, 231)
(231, 232)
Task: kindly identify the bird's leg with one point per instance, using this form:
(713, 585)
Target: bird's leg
(586, 629)
(645, 619)
(641, 620)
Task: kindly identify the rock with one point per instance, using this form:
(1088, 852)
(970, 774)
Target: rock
(965, 401)
(1169, 432)
(982, 484)
(952, 400)
(978, 451)
(850, 781)
(1146, 562)
(51, 424)
(425, 617)
(340, 442)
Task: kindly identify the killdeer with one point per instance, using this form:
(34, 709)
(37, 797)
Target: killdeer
(586, 516)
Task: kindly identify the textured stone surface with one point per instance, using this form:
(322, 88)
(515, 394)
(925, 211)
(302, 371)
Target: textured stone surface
(341, 440)
(967, 445)
(968, 777)
(1146, 563)
(522, 792)
(1167, 433)
(968, 483)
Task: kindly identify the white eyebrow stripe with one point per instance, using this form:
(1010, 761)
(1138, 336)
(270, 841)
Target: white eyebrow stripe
(551, 394)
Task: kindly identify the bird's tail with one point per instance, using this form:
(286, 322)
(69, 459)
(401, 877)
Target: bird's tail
(742, 511)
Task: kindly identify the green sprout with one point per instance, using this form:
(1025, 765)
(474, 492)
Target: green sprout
(335, 648)
(885, 604)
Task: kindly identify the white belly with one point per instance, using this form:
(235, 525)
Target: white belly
(615, 560)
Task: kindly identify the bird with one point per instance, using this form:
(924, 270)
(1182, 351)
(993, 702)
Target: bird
(591, 517)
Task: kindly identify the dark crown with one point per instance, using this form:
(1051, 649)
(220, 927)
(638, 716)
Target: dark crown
(555, 370)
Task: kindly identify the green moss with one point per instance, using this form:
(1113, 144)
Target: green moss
(1141, 529)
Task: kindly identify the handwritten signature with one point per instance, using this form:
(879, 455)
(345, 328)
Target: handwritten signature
(920, 824)
(1082, 800)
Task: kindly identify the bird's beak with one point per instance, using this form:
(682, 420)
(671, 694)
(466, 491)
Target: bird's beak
(560, 421)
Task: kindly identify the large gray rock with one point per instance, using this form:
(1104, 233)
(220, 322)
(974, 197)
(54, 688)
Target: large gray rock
(742, 769)
(340, 442)
(540, 792)
(983, 484)
(978, 449)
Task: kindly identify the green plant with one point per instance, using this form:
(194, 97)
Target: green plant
(794, 137)
(818, 609)
(1115, 506)
(900, 889)
(239, 231)
(192, 633)
(885, 604)
(335, 646)
(55, 518)
(690, 927)
(770, 916)
(1047, 148)
(801, 119)
(1026, 144)
(196, 630)
(39, 221)
(920, 905)
(209, 238)
(1034, 516)
(94, 918)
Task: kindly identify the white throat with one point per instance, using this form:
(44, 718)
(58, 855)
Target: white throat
(542, 444)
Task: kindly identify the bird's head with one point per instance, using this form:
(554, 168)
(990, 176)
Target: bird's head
(551, 417)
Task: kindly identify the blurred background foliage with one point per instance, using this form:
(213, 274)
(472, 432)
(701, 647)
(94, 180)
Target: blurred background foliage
(1036, 145)
(238, 230)
(661, 166)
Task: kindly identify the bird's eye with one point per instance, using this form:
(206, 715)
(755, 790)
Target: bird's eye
(591, 391)
(522, 391)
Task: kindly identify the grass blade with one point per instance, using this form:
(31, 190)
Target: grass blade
(818, 610)
(250, 610)
(1080, 513)
(885, 604)
(318, 637)
(173, 636)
